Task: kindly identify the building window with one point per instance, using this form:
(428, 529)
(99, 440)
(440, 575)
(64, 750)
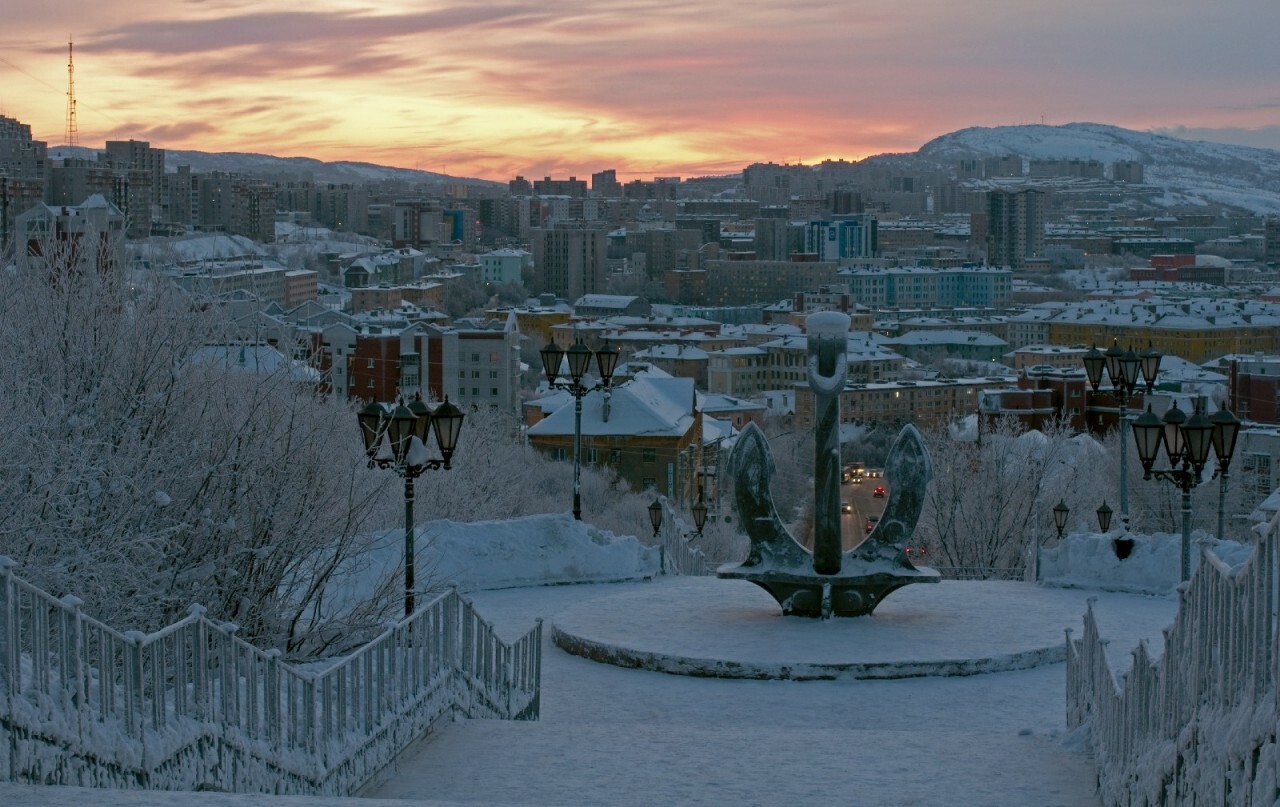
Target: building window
(493, 391)
(615, 456)
(649, 483)
(557, 454)
(370, 365)
(370, 384)
(649, 455)
(592, 456)
(475, 357)
(475, 392)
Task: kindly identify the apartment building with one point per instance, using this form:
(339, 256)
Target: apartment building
(747, 281)
(570, 259)
(87, 233)
(645, 430)
(925, 287)
(1197, 330)
(1015, 226)
(895, 403)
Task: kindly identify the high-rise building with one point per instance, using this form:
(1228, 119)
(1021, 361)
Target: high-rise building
(1271, 236)
(23, 171)
(1127, 171)
(20, 156)
(605, 183)
(570, 258)
(237, 205)
(853, 237)
(139, 155)
(1015, 226)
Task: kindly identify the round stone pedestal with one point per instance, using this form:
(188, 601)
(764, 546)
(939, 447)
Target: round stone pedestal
(706, 626)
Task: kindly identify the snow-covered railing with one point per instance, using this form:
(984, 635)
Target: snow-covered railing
(679, 556)
(194, 705)
(1199, 725)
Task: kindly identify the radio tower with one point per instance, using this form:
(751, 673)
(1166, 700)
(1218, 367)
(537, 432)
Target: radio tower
(72, 135)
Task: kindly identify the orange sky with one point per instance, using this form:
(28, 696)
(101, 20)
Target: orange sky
(649, 87)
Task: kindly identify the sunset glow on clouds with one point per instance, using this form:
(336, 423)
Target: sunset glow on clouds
(649, 87)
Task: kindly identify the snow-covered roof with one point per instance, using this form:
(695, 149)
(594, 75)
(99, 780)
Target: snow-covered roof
(646, 406)
(617, 301)
(255, 360)
(675, 351)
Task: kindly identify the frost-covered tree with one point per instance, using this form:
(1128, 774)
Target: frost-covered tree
(142, 479)
(990, 498)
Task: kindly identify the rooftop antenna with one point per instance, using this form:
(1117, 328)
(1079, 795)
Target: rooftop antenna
(72, 135)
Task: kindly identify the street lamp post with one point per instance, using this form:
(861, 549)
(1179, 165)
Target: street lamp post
(579, 356)
(1123, 369)
(407, 430)
(1226, 427)
(1186, 442)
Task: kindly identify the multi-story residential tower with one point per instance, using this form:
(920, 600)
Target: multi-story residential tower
(570, 258)
(853, 237)
(1015, 226)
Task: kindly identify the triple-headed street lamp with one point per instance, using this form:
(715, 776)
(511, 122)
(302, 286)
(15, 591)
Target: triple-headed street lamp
(1186, 442)
(579, 356)
(407, 429)
(1123, 368)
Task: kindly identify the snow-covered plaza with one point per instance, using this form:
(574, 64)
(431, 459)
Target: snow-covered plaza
(609, 735)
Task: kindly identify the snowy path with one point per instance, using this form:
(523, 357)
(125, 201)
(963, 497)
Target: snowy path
(616, 736)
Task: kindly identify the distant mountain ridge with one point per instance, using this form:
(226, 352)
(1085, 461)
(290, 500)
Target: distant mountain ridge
(1190, 172)
(343, 171)
(1178, 173)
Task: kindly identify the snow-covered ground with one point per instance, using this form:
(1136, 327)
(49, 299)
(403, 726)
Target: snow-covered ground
(610, 735)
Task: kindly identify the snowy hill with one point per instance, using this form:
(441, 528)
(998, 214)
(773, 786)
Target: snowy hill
(1190, 172)
(266, 165)
(304, 167)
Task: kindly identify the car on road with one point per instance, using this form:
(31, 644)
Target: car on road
(872, 521)
(879, 492)
(846, 507)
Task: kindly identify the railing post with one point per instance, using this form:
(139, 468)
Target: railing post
(9, 683)
(229, 675)
(271, 695)
(134, 688)
(309, 719)
(72, 650)
(200, 662)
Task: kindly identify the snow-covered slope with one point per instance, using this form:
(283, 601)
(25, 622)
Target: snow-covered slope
(318, 170)
(1189, 171)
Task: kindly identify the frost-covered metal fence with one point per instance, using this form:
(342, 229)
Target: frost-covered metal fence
(194, 705)
(1199, 725)
(679, 556)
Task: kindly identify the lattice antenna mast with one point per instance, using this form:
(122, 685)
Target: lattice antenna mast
(72, 136)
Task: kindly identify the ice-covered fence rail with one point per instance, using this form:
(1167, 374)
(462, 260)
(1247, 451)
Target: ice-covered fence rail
(81, 703)
(678, 555)
(1199, 724)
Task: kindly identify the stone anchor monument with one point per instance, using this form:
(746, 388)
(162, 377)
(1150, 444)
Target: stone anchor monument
(828, 581)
